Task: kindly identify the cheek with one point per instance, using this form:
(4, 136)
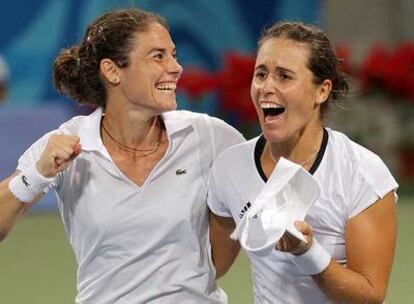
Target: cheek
(255, 89)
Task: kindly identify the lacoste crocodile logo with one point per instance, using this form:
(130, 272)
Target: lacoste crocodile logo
(181, 172)
(25, 181)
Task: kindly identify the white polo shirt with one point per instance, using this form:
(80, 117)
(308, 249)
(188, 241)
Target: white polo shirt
(351, 179)
(147, 244)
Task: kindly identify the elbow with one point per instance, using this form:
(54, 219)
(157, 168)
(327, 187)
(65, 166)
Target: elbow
(375, 300)
(221, 270)
(378, 294)
(4, 231)
(3, 234)
(378, 298)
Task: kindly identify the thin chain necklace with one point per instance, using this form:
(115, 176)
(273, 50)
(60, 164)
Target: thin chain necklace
(134, 151)
(302, 163)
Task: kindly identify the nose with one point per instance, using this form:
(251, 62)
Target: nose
(268, 86)
(174, 67)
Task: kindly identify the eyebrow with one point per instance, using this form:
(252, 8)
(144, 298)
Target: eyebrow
(278, 68)
(162, 50)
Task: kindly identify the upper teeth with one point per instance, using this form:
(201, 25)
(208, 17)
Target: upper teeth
(170, 86)
(268, 105)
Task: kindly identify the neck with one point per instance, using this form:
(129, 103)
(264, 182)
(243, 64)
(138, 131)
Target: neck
(133, 129)
(303, 149)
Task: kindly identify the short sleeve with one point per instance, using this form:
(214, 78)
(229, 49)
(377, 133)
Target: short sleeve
(223, 135)
(371, 181)
(215, 200)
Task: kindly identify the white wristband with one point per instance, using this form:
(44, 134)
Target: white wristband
(313, 261)
(28, 183)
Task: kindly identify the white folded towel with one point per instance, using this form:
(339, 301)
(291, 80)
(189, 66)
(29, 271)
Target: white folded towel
(285, 198)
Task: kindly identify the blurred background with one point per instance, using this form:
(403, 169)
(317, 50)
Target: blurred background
(216, 42)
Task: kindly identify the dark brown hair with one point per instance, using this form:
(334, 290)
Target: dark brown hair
(76, 71)
(322, 61)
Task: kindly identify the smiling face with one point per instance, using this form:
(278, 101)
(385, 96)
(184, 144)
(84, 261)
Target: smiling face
(284, 94)
(150, 80)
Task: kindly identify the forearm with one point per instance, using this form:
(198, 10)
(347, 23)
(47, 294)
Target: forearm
(224, 250)
(10, 208)
(344, 285)
(224, 258)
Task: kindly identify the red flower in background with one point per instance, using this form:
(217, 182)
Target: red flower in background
(232, 85)
(196, 82)
(400, 71)
(389, 72)
(235, 86)
(372, 73)
(344, 55)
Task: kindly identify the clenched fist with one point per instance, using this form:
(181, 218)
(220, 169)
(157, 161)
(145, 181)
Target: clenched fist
(60, 151)
(293, 245)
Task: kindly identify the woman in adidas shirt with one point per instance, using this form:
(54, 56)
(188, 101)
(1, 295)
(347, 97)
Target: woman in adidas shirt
(351, 228)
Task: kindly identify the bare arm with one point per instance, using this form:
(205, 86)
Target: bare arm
(10, 208)
(224, 249)
(370, 244)
(58, 154)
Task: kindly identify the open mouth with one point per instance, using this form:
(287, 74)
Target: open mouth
(272, 110)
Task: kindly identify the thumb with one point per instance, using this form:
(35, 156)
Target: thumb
(77, 150)
(63, 163)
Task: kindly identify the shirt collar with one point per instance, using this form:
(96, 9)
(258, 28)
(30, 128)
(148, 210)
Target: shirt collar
(175, 122)
(90, 133)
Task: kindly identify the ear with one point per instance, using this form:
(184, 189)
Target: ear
(110, 71)
(323, 92)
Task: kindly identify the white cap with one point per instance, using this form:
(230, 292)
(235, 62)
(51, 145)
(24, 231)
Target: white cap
(285, 198)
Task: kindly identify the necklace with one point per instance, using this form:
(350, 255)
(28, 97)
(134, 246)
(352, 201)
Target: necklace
(302, 163)
(134, 151)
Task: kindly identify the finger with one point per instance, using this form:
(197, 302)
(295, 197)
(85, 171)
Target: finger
(303, 227)
(77, 149)
(292, 240)
(63, 154)
(306, 230)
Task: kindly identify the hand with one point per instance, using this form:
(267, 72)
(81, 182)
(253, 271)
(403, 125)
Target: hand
(291, 244)
(59, 153)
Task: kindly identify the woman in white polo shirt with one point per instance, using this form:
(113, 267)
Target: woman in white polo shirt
(131, 178)
(296, 78)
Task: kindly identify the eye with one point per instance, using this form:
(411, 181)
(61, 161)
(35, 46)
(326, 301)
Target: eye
(174, 55)
(284, 76)
(158, 55)
(260, 75)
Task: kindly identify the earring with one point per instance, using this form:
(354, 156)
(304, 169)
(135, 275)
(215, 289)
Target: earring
(114, 80)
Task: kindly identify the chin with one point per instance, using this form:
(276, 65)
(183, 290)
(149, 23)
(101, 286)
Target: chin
(170, 106)
(274, 135)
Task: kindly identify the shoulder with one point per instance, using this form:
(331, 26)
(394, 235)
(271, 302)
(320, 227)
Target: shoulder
(362, 166)
(351, 152)
(237, 154)
(76, 123)
(210, 130)
(199, 119)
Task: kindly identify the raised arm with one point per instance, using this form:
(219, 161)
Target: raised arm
(23, 189)
(10, 207)
(224, 249)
